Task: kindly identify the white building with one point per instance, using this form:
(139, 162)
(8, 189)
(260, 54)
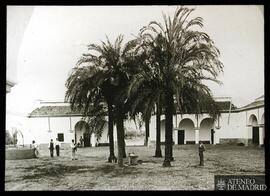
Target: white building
(237, 125)
(53, 120)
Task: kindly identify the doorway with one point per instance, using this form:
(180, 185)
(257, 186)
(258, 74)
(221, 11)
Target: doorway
(181, 136)
(212, 136)
(255, 135)
(86, 139)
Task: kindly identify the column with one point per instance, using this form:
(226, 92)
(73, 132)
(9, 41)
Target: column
(261, 135)
(197, 136)
(152, 132)
(175, 136)
(248, 135)
(215, 136)
(93, 140)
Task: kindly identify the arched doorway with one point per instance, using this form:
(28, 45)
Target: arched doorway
(82, 130)
(186, 134)
(253, 122)
(207, 132)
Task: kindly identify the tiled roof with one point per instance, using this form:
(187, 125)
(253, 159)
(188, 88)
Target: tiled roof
(53, 111)
(254, 104)
(225, 105)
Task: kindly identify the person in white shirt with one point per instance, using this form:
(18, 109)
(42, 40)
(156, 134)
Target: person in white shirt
(57, 147)
(73, 150)
(35, 146)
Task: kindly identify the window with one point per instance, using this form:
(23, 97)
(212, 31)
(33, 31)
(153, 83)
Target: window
(60, 137)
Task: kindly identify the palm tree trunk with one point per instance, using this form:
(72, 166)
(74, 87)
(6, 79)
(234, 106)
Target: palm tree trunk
(158, 152)
(120, 136)
(168, 128)
(124, 148)
(147, 122)
(112, 157)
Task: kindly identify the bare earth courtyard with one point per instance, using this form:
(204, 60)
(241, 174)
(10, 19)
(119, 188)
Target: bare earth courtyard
(92, 172)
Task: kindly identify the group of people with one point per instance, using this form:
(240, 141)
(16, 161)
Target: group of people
(74, 147)
(55, 146)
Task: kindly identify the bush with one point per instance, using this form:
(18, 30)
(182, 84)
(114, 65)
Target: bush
(9, 139)
(130, 134)
(240, 144)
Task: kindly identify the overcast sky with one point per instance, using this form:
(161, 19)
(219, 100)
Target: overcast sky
(56, 36)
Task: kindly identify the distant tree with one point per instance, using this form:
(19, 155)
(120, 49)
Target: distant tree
(9, 139)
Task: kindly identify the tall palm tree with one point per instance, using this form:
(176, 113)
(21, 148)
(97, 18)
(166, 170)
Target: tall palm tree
(143, 96)
(180, 55)
(104, 79)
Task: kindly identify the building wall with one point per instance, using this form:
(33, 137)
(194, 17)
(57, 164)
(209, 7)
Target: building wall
(39, 130)
(239, 128)
(235, 126)
(45, 128)
(230, 127)
(61, 125)
(42, 131)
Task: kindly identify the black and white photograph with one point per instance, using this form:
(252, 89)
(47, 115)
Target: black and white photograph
(135, 97)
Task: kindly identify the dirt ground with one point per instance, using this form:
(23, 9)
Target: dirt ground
(92, 172)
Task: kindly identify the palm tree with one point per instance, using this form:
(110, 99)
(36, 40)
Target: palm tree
(105, 79)
(85, 96)
(143, 97)
(179, 55)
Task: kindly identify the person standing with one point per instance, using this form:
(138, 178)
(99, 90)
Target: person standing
(57, 147)
(35, 146)
(81, 142)
(51, 147)
(201, 150)
(73, 150)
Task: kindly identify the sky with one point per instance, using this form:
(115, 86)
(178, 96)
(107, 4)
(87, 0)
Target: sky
(56, 36)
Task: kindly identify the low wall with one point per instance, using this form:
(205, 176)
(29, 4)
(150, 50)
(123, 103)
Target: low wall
(233, 141)
(19, 153)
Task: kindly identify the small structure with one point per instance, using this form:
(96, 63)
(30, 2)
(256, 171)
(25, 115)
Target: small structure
(20, 153)
(133, 159)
